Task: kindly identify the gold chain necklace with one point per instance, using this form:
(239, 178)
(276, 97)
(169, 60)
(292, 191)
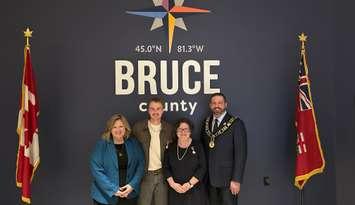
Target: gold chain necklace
(177, 151)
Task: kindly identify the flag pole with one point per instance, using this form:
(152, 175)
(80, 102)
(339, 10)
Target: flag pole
(302, 38)
(24, 168)
(28, 35)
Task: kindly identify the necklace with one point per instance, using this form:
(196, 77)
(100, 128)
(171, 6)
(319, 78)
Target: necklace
(177, 152)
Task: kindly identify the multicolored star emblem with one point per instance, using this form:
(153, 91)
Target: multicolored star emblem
(170, 14)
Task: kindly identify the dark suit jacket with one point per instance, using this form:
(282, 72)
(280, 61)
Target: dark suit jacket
(226, 161)
(141, 132)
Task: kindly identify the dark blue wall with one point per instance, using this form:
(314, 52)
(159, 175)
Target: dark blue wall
(345, 103)
(75, 45)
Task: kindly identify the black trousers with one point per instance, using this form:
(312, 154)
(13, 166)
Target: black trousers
(222, 196)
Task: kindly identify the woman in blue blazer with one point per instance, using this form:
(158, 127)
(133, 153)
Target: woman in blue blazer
(117, 165)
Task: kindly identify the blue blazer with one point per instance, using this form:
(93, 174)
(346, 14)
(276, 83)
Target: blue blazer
(104, 169)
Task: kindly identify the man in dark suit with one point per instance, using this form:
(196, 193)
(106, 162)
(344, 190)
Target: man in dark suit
(225, 141)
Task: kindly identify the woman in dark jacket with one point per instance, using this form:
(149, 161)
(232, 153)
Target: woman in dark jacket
(117, 165)
(185, 168)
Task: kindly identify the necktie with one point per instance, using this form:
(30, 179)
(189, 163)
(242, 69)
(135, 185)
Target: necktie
(215, 125)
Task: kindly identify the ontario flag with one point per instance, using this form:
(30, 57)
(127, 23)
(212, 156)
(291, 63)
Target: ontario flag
(27, 130)
(309, 159)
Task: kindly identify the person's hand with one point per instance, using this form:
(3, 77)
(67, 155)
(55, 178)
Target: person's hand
(119, 193)
(186, 186)
(234, 187)
(124, 191)
(177, 187)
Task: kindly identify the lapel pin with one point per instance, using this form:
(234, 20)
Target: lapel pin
(193, 150)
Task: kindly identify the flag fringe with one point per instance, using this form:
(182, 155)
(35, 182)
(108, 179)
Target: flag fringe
(306, 177)
(26, 200)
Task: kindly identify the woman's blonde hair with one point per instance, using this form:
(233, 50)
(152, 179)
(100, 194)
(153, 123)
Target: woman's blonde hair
(109, 125)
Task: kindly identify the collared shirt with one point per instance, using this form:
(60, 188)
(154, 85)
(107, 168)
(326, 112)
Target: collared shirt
(220, 118)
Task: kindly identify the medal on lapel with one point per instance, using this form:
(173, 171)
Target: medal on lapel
(212, 136)
(211, 144)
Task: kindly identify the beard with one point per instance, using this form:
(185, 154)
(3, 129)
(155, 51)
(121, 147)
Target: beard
(218, 110)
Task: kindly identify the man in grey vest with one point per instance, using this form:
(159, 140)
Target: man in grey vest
(225, 141)
(154, 135)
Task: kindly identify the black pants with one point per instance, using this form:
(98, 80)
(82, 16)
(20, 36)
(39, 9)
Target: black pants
(121, 201)
(222, 196)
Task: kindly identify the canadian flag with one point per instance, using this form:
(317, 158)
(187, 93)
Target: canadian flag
(27, 130)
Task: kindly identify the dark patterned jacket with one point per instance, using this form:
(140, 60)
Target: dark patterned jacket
(227, 159)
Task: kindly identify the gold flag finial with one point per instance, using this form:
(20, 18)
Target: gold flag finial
(28, 35)
(303, 39)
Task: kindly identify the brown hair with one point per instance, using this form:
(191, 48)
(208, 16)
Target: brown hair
(109, 125)
(157, 100)
(218, 94)
(184, 120)
(179, 122)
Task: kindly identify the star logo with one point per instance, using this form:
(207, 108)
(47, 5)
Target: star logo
(169, 14)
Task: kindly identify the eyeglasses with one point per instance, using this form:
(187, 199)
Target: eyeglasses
(186, 130)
